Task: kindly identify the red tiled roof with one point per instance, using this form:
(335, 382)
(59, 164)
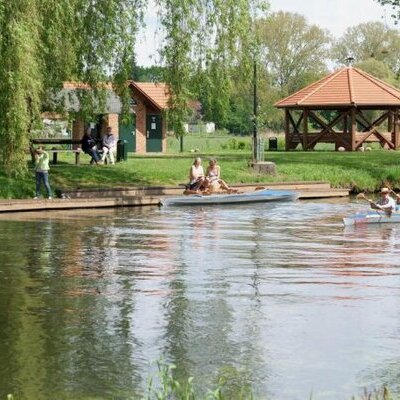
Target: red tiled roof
(157, 93)
(346, 87)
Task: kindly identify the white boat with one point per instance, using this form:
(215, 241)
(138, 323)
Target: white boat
(258, 196)
(372, 217)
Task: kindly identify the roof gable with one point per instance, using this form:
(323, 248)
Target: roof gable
(346, 87)
(156, 93)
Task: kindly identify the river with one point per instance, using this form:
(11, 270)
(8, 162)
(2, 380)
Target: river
(278, 297)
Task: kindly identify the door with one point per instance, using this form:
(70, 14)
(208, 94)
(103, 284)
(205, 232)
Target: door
(153, 133)
(127, 131)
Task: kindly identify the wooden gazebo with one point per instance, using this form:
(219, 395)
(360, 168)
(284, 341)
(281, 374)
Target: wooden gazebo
(348, 108)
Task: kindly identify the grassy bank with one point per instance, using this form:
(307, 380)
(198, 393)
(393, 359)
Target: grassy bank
(357, 171)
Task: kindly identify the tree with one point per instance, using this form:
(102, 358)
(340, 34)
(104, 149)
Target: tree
(45, 42)
(209, 36)
(379, 69)
(291, 49)
(369, 40)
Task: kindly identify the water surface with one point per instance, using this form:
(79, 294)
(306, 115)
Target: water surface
(280, 297)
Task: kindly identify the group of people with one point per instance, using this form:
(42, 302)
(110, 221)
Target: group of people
(109, 146)
(209, 182)
(386, 203)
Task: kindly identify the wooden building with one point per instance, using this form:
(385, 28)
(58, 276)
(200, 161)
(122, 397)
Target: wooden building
(347, 108)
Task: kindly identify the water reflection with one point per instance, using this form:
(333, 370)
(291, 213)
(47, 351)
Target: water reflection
(281, 297)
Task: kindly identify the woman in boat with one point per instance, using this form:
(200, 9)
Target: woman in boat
(197, 180)
(213, 174)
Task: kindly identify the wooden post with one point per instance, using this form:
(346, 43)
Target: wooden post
(390, 121)
(305, 129)
(353, 129)
(287, 130)
(396, 139)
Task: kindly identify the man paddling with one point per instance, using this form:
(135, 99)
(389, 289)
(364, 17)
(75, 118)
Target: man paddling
(385, 202)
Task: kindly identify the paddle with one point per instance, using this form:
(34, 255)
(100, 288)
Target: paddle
(374, 206)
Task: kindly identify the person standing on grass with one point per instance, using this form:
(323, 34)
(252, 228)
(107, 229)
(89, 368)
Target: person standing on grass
(109, 145)
(42, 171)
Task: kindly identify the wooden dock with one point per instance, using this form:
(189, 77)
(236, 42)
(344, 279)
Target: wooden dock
(151, 196)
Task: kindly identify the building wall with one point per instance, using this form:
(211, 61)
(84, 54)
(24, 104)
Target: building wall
(142, 109)
(140, 127)
(78, 129)
(112, 120)
(164, 133)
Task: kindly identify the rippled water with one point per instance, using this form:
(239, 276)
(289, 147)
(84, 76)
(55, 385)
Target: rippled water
(280, 297)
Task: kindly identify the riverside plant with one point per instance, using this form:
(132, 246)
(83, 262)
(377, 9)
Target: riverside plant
(171, 389)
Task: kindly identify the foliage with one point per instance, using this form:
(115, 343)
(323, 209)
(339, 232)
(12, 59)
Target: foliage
(395, 4)
(204, 36)
(45, 42)
(291, 48)
(378, 69)
(148, 74)
(369, 40)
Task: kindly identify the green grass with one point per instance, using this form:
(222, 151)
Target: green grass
(357, 171)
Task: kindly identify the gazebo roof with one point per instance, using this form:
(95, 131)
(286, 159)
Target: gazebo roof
(346, 87)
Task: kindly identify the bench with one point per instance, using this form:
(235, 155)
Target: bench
(55, 151)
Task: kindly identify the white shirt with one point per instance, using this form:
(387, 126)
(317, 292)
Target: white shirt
(387, 202)
(195, 173)
(109, 141)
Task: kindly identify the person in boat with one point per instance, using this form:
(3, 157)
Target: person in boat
(385, 202)
(197, 180)
(213, 174)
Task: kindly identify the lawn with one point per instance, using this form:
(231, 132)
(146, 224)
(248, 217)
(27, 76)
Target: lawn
(358, 171)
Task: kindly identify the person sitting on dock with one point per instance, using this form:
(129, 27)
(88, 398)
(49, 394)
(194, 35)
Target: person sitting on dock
(197, 180)
(385, 202)
(213, 175)
(89, 146)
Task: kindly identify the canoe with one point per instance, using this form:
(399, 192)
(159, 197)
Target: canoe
(258, 196)
(371, 217)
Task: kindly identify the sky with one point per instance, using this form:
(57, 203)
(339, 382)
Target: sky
(333, 15)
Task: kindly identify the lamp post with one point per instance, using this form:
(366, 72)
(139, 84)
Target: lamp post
(255, 111)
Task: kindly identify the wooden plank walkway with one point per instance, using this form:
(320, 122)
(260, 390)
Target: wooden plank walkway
(150, 196)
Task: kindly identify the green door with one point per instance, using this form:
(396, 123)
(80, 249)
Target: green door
(127, 131)
(153, 133)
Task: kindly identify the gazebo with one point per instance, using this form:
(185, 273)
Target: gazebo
(347, 108)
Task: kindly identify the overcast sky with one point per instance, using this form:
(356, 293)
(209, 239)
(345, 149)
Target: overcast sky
(334, 15)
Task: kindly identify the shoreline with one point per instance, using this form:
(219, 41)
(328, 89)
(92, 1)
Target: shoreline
(141, 196)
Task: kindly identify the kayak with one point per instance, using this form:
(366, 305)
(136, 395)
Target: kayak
(371, 217)
(258, 196)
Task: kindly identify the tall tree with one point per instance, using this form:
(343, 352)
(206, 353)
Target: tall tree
(291, 48)
(43, 43)
(369, 40)
(205, 35)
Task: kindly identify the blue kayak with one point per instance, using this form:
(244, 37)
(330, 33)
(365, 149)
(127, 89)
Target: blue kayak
(372, 217)
(258, 196)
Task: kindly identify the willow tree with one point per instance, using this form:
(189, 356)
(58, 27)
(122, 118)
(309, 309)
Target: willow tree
(204, 39)
(45, 42)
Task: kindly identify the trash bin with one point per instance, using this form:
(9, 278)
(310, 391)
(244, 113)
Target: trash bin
(122, 150)
(273, 143)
